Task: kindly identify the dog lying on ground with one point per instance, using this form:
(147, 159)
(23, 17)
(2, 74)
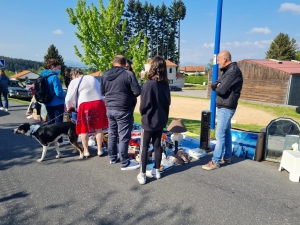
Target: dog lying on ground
(49, 134)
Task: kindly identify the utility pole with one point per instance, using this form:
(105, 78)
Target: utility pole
(216, 66)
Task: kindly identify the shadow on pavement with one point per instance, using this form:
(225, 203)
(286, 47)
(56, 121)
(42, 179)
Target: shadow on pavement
(20, 150)
(14, 196)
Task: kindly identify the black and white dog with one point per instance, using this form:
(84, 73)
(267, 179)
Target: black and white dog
(49, 134)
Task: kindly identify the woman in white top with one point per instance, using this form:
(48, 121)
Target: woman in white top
(91, 117)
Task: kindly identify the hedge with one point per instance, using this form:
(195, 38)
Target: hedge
(196, 79)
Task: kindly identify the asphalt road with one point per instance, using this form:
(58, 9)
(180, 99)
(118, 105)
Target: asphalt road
(92, 191)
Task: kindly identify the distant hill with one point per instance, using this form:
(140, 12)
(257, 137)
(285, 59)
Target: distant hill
(18, 65)
(70, 63)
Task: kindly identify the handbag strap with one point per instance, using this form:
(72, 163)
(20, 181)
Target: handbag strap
(77, 93)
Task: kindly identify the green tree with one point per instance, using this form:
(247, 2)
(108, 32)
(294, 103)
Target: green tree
(152, 30)
(282, 48)
(53, 53)
(18, 65)
(139, 56)
(102, 34)
(163, 29)
(138, 19)
(297, 56)
(129, 14)
(178, 12)
(209, 66)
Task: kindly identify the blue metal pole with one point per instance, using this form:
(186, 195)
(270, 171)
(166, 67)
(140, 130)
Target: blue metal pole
(216, 66)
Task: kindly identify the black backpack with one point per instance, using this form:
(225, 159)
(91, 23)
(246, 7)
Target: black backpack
(42, 93)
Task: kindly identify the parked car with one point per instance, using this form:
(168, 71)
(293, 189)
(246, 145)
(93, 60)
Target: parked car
(175, 88)
(16, 89)
(28, 82)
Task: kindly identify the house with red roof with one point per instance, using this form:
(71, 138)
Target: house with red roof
(175, 78)
(271, 81)
(25, 74)
(192, 70)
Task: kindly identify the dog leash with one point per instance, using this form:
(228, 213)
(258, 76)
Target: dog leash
(64, 113)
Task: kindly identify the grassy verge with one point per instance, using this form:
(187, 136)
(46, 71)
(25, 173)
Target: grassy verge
(25, 102)
(194, 126)
(275, 110)
(194, 87)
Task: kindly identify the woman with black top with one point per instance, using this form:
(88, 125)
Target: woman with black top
(154, 108)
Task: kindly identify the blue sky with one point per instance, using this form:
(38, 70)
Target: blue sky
(28, 28)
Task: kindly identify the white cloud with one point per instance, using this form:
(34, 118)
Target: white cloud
(58, 31)
(37, 54)
(290, 7)
(211, 45)
(262, 44)
(183, 41)
(239, 44)
(239, 49)
(265, 30)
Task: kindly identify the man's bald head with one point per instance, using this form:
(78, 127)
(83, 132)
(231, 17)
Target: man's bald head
(224, 58)
(226, 54)
(119, 60)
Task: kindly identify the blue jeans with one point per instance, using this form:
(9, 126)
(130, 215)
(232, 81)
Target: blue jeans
(55, 111)
(223, 146)
(4, 92)
(120, 125)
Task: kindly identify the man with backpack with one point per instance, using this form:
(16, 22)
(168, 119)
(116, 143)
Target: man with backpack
(48, 90)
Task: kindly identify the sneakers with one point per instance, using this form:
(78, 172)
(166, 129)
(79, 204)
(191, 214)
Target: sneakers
(211, 165)
(141, 177)
(132, 166)
(114, 162)
(29, 117)
(155, 173)
(227, 161)
(6, 109)
(86, 154)
(1, 108)
(63, 143)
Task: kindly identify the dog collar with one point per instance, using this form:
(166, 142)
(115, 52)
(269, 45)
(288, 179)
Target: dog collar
(34, 128)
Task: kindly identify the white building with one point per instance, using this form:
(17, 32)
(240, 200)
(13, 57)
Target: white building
(175, 78)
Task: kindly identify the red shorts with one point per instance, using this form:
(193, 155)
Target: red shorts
(91, 116)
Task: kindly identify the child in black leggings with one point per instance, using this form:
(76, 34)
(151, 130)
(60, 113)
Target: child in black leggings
(156, 141)
(154, 108)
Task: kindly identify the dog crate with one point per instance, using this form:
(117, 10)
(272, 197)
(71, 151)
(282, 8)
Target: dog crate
(205, 130)
(281, 134)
